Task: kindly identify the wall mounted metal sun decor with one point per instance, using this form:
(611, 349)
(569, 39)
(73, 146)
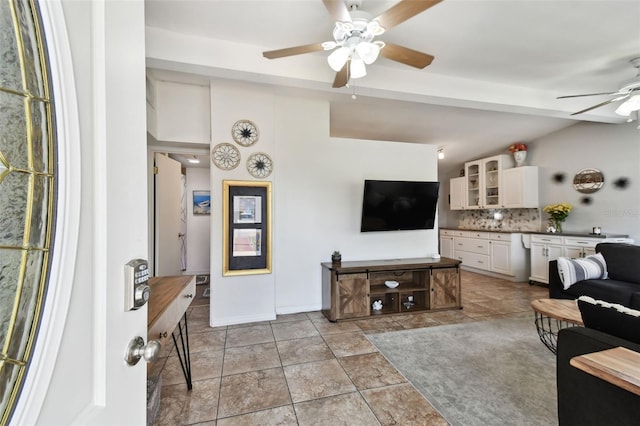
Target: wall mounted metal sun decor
(260, 165)
(588, 181)
(225, 156)
(245, 132)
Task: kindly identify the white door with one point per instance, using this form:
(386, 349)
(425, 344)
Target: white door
(96, 48)
(168, 224)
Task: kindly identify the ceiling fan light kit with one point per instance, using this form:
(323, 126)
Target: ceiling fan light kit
(353, 39)
(629, 92)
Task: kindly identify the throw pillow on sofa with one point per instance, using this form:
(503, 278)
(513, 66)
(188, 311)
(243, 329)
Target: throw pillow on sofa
(610, 318)
(571, 271)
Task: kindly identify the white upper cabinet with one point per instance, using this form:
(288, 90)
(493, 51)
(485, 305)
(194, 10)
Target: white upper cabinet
(520, 187)
(483, 180)
(457, 189)
(179, 112)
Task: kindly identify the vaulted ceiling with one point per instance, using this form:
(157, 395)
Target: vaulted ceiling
(499, 64)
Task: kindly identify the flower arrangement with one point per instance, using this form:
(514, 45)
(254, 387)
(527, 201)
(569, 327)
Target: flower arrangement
(558, 213)
(515, 147)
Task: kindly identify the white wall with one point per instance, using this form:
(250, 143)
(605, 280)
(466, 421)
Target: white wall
(317, 195)
(198, 226)
(612, 149)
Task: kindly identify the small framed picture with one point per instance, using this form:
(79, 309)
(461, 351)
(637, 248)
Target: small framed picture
(201, 202)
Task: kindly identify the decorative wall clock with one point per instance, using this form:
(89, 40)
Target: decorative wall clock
(225, 156)
(260, 165)
(588, 181)
(245, 132)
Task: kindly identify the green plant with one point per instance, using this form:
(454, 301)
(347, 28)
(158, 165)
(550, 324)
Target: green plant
(336, 253)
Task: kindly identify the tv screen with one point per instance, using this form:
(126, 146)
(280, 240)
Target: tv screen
(391, 205)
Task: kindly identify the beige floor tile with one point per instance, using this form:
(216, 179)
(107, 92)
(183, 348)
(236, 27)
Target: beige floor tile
(290, 317)
(284, 416)
(205, 341)
(416, 321)
(317, 379)
(173, 400)
(250, 358)
(326, 327)
(307, 349)
(253, 391)
(245, 336)
(202, 402)
(316, 315)
(294, 330)
(402, 405)
(370, 371)
(348, 409)
(346, 344)
(204, 365)
(379, 325)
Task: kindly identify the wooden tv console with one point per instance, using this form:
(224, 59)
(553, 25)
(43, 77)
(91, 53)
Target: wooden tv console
(349, 289)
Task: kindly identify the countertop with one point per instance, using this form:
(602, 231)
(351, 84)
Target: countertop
(561, 234)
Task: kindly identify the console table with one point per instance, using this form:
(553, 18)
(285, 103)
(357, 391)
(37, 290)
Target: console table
(168, 302)
(349, 289)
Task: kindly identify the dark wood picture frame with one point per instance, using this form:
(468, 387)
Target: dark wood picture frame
(246, 227)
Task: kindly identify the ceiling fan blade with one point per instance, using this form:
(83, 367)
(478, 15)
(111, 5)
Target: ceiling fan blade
(342, 76)
(406, 56)
(601, 104)
(338, 10)
(587, 94)
(291, 51)
(402, 11)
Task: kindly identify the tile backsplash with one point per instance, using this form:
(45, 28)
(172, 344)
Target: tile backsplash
(501, 220)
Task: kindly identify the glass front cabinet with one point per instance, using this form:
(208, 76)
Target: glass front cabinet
(483, 179)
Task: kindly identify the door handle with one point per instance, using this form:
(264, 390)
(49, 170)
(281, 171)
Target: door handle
(137, 349)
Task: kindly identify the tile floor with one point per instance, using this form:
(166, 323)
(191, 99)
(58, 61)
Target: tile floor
(304, 370)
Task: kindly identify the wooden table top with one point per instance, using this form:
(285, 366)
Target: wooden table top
(560, 309)
(163, 291)
(618, 366)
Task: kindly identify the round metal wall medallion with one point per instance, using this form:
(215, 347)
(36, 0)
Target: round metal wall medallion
(245, 132)
(588, 181)
(225, 156)
(260, 165)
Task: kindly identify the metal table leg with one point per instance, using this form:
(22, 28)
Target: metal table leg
(185, 356)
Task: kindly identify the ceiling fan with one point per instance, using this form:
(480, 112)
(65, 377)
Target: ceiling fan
(629, 92)
(354, 33)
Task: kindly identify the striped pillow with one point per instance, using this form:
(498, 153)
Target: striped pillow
(571, 271)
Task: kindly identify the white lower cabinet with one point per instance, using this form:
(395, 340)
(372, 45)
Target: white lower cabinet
(446, 246)
(498, 254)
(543, 250)
(500, 257)
(548, 247)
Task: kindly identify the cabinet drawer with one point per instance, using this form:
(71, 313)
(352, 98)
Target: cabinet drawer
(546, 239)
(473, 245)
(581, 242)
(499, 236)
(475, 260)
(449, 232)
(479, 234)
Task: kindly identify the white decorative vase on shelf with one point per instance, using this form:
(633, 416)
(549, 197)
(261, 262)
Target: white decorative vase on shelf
(520, 157)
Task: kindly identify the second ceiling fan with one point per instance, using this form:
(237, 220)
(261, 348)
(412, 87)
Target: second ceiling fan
(354, 34)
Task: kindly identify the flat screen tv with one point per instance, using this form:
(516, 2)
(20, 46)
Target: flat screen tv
(392, 205)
